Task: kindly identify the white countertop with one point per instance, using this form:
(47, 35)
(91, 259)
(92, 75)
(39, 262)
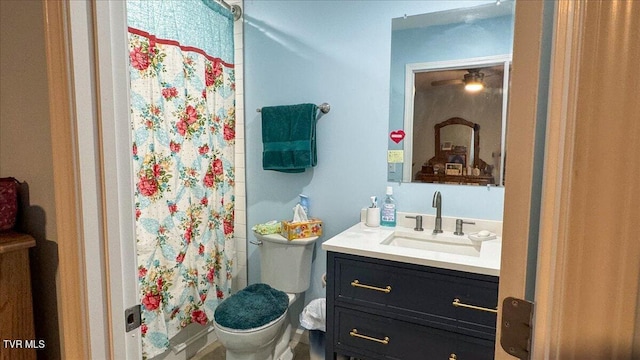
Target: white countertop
(366, 241)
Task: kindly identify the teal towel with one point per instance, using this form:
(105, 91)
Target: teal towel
(252, 307)
(289, 137)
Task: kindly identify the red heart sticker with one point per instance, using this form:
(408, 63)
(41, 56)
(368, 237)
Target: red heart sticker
(397, 135)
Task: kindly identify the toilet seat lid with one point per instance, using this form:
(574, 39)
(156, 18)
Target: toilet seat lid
(252, 307)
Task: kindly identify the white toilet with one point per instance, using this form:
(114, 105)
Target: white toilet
(285, 266)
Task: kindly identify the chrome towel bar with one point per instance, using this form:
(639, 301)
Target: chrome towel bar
(324, 108)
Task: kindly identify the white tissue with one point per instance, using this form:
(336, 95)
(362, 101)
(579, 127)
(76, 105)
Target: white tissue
(299, 215)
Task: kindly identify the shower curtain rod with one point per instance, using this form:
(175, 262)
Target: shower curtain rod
(235, 9)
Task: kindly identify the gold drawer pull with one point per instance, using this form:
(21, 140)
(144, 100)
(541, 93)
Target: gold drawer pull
(354, 333)
(356, 283)
(453, 357)
(457, 303)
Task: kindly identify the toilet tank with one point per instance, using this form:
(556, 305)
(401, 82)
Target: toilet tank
(286, 265)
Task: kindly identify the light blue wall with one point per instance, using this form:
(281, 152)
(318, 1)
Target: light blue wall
(336, 52)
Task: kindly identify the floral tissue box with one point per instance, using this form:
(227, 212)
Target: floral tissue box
(300, 230)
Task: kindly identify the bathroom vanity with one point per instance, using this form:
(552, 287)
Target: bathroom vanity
(408, 300)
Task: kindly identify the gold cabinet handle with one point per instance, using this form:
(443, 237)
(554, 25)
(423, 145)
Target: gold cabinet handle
(354, 333)
(453, 357)
(356, 283)
(457, 303)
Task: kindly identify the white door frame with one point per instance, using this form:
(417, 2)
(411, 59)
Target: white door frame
(89, 114)
(520, 170)
(118, 179)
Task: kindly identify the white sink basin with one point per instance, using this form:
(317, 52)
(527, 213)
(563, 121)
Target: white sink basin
(444, 242)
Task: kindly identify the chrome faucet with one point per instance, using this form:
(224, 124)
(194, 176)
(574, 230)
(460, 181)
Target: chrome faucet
(437, 203)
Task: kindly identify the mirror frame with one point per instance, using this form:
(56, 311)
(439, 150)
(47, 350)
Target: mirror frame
(413, 68)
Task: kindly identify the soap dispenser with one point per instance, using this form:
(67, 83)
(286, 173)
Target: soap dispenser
(388, 216)
(304, 202)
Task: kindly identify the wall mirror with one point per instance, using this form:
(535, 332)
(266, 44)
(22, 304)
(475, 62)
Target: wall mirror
(451, 135)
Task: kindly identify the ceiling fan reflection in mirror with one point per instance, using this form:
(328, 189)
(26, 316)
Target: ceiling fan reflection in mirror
(473, 80)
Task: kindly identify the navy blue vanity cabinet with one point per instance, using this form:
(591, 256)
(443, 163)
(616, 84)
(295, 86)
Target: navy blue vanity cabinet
(380, 309)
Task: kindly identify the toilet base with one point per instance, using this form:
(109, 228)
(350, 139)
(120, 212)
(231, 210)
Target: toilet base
(283, 351)
(286, 355)
(278, 349)
(265, 353)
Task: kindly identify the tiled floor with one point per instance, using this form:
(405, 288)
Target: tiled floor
(216, 351)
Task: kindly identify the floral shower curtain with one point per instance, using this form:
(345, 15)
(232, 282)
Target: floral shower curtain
(183, 127)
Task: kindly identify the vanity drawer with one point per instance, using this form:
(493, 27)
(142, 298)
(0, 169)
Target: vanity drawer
(415, 292)
(375, 337)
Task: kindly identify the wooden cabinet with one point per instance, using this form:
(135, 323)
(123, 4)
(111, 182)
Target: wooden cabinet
(16, 311)
(379, 309)
(454, 179)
